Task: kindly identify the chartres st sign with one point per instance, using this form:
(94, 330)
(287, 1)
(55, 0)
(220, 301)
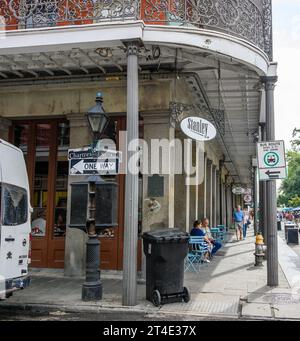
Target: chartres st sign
(198, 129)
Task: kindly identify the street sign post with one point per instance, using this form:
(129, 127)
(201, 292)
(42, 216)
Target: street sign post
(248, 198)
(271, 160)
(87, 161)
(89, 153)
(93, 166)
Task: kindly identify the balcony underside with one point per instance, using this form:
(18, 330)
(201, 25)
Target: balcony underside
(225, 92)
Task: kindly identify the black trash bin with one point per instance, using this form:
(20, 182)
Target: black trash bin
(165, 252)
(278, 225)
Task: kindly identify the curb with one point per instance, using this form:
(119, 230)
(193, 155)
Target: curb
(60, 309)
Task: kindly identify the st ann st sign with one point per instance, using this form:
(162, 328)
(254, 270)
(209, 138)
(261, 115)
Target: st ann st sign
(271, 160)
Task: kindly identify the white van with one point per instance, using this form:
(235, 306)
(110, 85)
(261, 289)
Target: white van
(14, 220)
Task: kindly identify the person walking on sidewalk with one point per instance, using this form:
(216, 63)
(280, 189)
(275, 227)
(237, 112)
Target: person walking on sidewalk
(246, 223)
(238, 218)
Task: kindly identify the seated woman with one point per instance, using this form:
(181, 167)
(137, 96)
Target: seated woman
(206, 230)
(198, 232)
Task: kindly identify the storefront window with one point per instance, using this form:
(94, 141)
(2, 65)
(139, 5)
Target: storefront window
(40, 195)
(60, 213)
(63, 135)
(21, 137)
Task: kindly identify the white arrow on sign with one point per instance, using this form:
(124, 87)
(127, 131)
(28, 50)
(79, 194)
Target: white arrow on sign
(84, 166)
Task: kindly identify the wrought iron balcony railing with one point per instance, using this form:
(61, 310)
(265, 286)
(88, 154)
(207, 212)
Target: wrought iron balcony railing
(248, 19)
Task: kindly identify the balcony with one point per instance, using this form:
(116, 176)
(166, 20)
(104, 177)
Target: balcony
(250, 20)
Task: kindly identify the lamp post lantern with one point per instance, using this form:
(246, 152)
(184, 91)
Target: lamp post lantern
(92, 287)
(97, 119)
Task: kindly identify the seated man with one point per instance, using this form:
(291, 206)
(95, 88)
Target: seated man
(198, 232)
(206, 231)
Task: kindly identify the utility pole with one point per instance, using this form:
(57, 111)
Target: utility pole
(254, 165)
(271, 203)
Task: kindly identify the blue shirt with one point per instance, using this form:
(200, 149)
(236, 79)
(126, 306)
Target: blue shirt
(197, 232)
(238, 216)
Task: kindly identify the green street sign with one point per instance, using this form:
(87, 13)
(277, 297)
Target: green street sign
(271, 160)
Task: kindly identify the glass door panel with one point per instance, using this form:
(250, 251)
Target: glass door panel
(60, 212)
(21, 138)
(40, 190)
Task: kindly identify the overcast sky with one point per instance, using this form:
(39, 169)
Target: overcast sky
(286, 36)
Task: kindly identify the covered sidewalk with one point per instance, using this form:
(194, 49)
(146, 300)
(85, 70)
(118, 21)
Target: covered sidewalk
(229, 287)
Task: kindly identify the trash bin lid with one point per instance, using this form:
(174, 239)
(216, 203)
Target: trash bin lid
(170, 235)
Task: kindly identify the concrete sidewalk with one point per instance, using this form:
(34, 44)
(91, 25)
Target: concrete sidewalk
(229, 287)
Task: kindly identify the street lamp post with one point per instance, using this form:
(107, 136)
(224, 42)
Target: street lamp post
(92, 287)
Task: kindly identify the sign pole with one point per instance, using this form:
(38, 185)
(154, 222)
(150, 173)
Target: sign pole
(272, 251)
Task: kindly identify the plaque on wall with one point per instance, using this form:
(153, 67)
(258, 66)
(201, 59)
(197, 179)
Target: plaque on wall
(155, 186)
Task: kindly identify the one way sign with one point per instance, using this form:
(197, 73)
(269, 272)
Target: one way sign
(93, 166)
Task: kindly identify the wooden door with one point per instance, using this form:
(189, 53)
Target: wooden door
(111, 239)
(112, 246)
(46, 160)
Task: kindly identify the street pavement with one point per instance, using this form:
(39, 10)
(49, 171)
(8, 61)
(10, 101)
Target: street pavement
(229, 288)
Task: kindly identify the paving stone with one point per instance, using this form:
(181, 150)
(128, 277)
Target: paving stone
(207, 304)
(287, 311)
(256, 310)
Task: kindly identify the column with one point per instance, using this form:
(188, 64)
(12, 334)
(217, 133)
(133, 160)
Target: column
(263, 196)
(172, 180)
(214, 196)
(271, 223)
(202, 192)
(131, 183)
(197, 183)
(75, 243)
(255, 199)
(208, 190)
(218, 197)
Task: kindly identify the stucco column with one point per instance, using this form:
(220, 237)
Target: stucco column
(4, 128)
(75, 243)
(229, 204)
(214, 196)
(172, 179)
(272, 251)
(209, 190)
(131, 185)
(217, 198)
(223, 206)
(202, 191)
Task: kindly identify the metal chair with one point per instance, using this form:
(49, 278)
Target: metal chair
(195, 257)
(217, 234)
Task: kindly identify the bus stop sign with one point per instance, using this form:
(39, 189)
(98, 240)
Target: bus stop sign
(271, 160)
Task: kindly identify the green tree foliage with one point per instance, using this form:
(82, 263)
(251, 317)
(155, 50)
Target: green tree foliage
(296, 141)
(294, 202)
(289, 193)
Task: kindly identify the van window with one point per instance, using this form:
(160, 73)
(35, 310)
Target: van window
(14, 205)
